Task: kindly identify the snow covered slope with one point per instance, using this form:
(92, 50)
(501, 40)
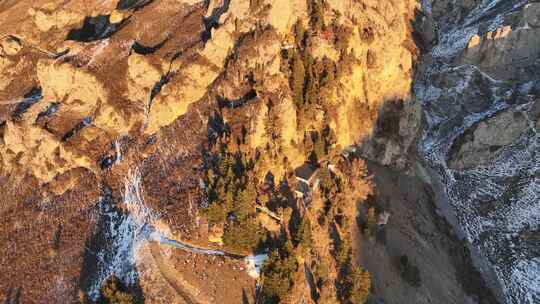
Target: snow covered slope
(479, 91)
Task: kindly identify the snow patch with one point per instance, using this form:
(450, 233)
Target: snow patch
(254, 264)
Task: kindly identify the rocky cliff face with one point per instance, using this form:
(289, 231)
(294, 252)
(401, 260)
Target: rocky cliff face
(478, 86)
(103, 73)
(93, 91)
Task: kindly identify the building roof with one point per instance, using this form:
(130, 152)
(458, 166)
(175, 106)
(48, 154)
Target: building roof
(305, 172)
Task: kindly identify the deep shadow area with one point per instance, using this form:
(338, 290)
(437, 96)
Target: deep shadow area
(424, 34)
(96, 28)
(158, 86)
(29, 100)
(212, 22)
(236, 103)
(132, 4)
(107, 161)
(145, 50)
(50, 110)
(78, 127)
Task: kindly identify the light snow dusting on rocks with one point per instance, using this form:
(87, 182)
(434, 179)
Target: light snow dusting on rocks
(477, 147)
(119, 230)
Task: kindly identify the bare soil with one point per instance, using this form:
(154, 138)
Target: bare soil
(219, 279)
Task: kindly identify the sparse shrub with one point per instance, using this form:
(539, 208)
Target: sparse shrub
(343, 36)
(367, 34)
(371, 224)
(329, 73)
(359, 282)
(255, 4)
(410, 273)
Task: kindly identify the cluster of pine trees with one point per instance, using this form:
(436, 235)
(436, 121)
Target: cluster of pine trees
(234, 192)
(232, 196)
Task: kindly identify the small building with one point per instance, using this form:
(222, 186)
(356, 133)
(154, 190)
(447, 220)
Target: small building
(306, 180)
(307, 173)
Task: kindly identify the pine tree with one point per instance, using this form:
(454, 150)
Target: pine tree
(243, 235)
(223, 165)
(299, 33)
(360, 283)
(278, 273)
(298, 79)
(244, 205)
(371, 222)
(210, 177)
(228, 200)
(317, 14)
(326, 182)
(303, 233)
(215, 213)
(319, 148)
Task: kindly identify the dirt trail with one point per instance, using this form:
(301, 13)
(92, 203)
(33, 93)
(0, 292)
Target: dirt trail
(189, 293)
(187, 246)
